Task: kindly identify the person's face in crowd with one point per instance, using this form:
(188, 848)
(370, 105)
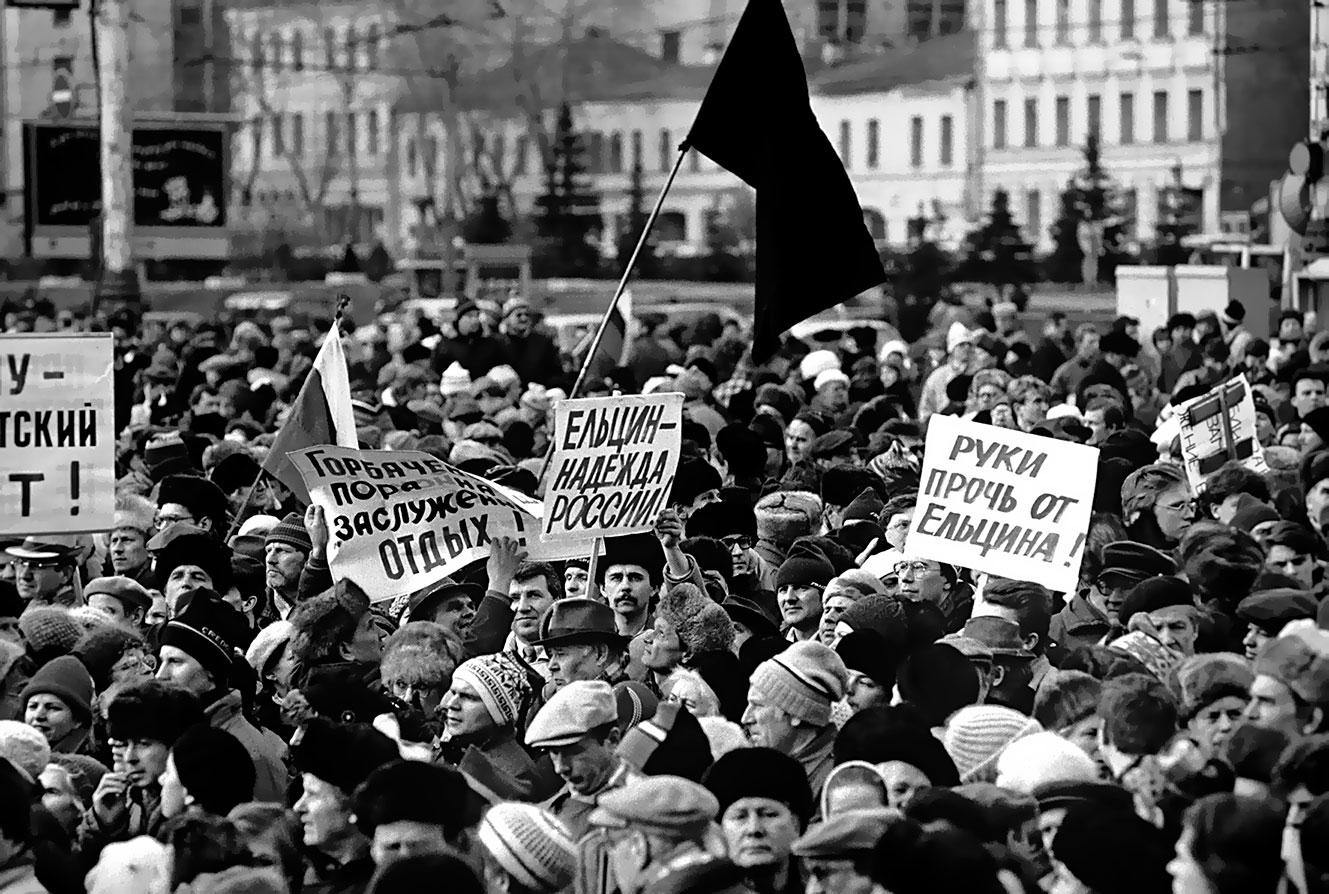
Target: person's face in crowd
(834, 396)
(469, 323)
(185, 579)
(174, 798)
(801, 605)
(50, 716)
(464, 714)
(1002, 415)
(8, 567)
(1307, 396)
(742, 633)
(1174, 510)
(1214, 723)
(798, 438)
(9, 629)
(141, 760)
(1187, 874)
(1083, 734)
(1290, 330)
(115, 609)
(1307, 440)
(961, 357)
(366, 643)
(159, 612)
(1176, 628)
(865, 692)
(528, 600)
(568, 664)
(774, 460)
(1273, 706)
(897, 528)
(60, 798)
(280, 671)
(585, 765)
(988, 395)
(406, 838)
(418, 693)
(921, 580)
(454, 613)
(663, 648)
(133, 664)
(129, 550)
(1317, 500)
(1254, 640)
(835, 601)
(173, 513)
(1183, 335)
(628, 589)
(519, 322)
(836, 875)
(576, 582)
(904, 782)
(1225, 510)
(40, 581)
(740, 553)
(1087, 349)
(692, 692)
(283, 566)
(324, 814)
(179, 667)
(1286, 560)
(705, 498)
(759, 832)
(1097, 424)
(766, 725)
(1291, 438)
(1265, 429)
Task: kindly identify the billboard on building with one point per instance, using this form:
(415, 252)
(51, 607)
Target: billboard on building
(180, 187)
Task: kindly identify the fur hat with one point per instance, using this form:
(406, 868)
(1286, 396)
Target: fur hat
(642, 550)
(695, 477)
(153, 710)
(785, 516)
(323, 620)
(978, 734)
(199, 496)
(761, 773)
(413, 791)
(724, 735)
(214, 768)
(24, 747)
(724, 518)
(1201, 680)
(500, 682)
(68, 680)
(804, 681)
(531, 845)
(134, 513)
(701, 624)
(1298, 662)
(1043, 759)
(341, 754)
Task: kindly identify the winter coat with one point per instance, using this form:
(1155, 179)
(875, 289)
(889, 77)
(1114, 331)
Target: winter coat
(325, 877)
(19, 875)
(266, 749)
(477, 354)
(1077, 625)
(535, 358)
(816, 757)
(575, 809)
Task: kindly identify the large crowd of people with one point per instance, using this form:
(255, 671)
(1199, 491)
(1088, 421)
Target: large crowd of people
(767, 692)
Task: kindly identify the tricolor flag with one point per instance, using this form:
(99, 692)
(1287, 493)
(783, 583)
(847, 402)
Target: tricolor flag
(615, 347)
(813, 249)
(322, 414)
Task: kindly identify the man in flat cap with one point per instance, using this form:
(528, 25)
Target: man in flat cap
(836, 854)
(653, 825)
(1267, 612)
(578, 729)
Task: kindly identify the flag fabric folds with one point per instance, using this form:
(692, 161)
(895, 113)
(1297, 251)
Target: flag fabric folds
(321, 415)
(615, 348)
(813, 249)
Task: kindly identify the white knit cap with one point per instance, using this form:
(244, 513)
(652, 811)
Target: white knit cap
(1043, 759)
(816, 363)
(958, 334)
(826, 376)
(978, 734)
(266, 643)
(24, 747)
(532, 845)
(455, 380)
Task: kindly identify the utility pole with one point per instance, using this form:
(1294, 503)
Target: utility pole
(119, 278)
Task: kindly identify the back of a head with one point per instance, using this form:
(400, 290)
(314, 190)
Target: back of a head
(16, 800)
(411, 875)
(1237, 841)
(1139, 714)
(910, 859)
(1065, 698)
(939, 680)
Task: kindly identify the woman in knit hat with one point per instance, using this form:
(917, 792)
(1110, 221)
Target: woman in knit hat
(526, 850)
(58, 704)
(765, 804)
(790, 698)
(978, 734)
(853, 785)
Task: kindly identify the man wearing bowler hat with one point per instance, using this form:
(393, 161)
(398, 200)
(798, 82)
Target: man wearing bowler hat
(581, 638)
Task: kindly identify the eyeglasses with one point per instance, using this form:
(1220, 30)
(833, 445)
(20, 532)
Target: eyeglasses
(1186, 507)
(162, 522)
(737, 541)
(913, 567)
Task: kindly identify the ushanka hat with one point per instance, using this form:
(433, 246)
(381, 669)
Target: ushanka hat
(500, 682)
(341, 754)
(702, 625)
(154, 711)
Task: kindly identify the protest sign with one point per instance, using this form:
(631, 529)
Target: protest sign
(1003, 502)
(1217, 427)
(57, 434)
(401, 520)
(613, 464)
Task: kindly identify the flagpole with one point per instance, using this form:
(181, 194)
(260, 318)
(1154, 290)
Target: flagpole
(342, 302)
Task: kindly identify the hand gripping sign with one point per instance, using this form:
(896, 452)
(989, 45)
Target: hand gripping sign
(57, 433)
(399, 521)
(1003, 502)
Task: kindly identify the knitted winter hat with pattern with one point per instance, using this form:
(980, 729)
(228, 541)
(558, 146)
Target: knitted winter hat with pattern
(291, 532)
(500, 682)
(978, 734)
(532, 845)
(804, 681)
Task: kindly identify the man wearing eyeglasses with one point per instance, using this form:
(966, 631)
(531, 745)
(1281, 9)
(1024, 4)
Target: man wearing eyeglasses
(46, 570)
(186, 499)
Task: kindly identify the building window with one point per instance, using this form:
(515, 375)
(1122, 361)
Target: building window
(257, 54)
(1094, 114)
(1095, 21)
(278, 136)
(520, 148)
(330, 48)
(999, 24)
(666, 151)
(298, 51)
(694, 161)
(412, 158)
(671, 46)
(1031, 122)
(1195, 17)
(842, 21)
(297, 135)
(498, 153)
(331, 134)
(596, 152)
(1063, 115)
(1128, 19)
(947, 141)
(1031, 23)
(1195, 116)
(1033, 214)
(277, 55)
(874, 144)
(352, 132)
(999, 124)
(256, 135)
(916, 142)
(636, 156)
(371, 131)
(1063, 21)
(1127, 118)
(616, 153)
(372, 36)
(846, 138)
(1162, 20)
(1160, 116)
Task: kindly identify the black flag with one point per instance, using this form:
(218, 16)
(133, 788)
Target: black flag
(813, 249)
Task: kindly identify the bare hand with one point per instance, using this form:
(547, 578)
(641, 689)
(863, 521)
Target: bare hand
(865, 554)
(111, 799)
(505, 555)
(316, 523)
(669, 528)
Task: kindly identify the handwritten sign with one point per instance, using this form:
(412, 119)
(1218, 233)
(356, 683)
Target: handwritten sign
(57, 434)
(613, 465)
(1003, 502)
(1218, 427)
(399, 521)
